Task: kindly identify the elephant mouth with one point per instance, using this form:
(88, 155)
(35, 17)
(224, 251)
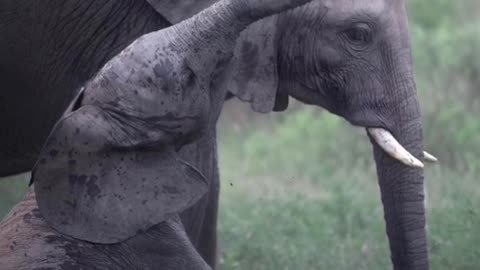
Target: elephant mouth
(393, 148)
(378, 129)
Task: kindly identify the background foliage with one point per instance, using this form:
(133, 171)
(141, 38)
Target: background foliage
(299, 189)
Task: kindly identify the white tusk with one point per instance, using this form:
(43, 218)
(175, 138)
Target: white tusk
(392, 147)
(429, 157)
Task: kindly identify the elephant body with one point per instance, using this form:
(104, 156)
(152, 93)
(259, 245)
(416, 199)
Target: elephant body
(48, 51)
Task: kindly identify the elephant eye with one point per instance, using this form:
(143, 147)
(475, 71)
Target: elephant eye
(360, 34)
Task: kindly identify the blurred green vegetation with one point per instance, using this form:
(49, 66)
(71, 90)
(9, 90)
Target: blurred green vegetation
(299, 189)
(307, 198)
(11, 191)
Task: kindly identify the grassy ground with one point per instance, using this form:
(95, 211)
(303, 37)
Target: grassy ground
(12, 190)
(337, 224)
(319, 214)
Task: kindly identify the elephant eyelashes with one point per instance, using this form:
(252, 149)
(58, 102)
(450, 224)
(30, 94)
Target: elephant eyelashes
(359, 34)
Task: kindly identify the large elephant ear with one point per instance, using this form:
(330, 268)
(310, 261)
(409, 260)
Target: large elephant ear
(93, 183)
(176, 11)
(253, 70)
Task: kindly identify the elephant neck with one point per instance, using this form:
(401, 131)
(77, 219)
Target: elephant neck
(177, 11)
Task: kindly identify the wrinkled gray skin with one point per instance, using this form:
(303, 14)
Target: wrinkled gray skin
(48, 50)
(136, 146)
(353, 58)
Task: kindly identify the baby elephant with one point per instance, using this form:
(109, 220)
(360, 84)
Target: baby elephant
(109, 185)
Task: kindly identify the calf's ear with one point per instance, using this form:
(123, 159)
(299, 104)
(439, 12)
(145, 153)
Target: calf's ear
(253, 72)
(93, 183)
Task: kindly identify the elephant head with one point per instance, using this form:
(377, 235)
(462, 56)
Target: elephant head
(352, 58)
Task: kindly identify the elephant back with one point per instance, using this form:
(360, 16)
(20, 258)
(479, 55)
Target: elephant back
(178, 10)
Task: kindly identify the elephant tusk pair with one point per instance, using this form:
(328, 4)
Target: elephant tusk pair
(392, 147)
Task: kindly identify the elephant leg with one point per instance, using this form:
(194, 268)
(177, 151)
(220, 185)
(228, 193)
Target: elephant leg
(27, 241)
(167, 246)
(200, 220)
(207, 244)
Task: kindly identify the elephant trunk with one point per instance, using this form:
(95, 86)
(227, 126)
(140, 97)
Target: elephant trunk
(402, 191)
(211, 34)
(217, 27)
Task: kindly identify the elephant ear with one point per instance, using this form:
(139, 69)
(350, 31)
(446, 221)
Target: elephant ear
(253, 72)
(94, 182)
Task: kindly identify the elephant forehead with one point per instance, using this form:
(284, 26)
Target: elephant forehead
(349, 8)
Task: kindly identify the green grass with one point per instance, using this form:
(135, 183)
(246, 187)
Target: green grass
(337, 223)
(342, 226)
(288, 223)
(12, 190)
(319, 214)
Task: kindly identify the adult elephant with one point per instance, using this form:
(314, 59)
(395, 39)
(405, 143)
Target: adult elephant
(49, 50)
(350, 58)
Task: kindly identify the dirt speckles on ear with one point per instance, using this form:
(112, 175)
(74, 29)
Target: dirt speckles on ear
(53, 153)
(79, 180)
(163, 69)
(72, 162)
(171, 189)
(92, 188)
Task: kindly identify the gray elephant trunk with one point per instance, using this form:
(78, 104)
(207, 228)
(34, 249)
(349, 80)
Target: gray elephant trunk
(402, 191)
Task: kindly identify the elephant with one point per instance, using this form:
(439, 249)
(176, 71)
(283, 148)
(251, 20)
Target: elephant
(351, 58)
